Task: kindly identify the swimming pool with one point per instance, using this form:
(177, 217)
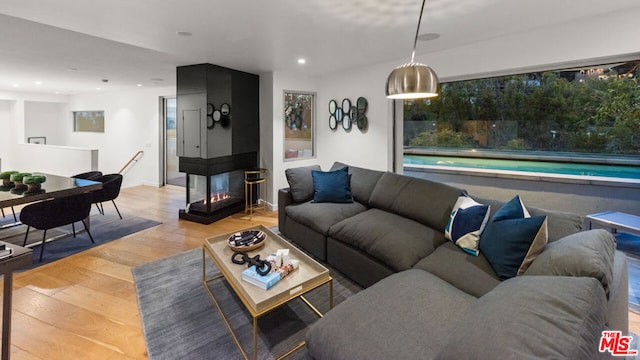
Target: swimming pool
(578, 169)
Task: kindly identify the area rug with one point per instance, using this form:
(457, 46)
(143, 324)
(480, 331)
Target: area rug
(180, 321)
(104, 228)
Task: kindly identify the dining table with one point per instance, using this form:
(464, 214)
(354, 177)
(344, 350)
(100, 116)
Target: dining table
(55, 186)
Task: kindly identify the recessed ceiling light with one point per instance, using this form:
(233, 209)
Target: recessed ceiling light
(183, 33)
(139, 85)
(428, 36)
(16, 85)
(38, 82)
(302, 61)
(98, 88)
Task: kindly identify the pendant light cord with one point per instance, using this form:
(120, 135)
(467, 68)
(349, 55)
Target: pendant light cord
(415, 41)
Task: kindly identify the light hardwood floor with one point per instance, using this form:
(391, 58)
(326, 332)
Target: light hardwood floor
(85, 307)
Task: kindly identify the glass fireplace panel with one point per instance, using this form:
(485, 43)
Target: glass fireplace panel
(208, 194)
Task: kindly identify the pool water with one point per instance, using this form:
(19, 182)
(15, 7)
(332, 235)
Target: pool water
(613, 171)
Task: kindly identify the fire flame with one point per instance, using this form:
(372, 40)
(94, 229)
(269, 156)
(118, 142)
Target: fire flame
(217, 197)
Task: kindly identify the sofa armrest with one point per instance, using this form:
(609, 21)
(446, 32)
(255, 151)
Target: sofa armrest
(284, 199)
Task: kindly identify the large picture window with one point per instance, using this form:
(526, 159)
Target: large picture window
(90, 121)
(593, 109)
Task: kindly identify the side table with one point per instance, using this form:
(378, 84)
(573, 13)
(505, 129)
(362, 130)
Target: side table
(616, 221)
(21, 257)
(255, 179)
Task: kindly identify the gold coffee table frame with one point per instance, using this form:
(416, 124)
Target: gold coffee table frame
(309, 276)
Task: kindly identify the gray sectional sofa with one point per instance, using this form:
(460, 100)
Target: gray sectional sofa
(425, 298)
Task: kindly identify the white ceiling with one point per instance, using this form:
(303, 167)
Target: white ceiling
(132, 42)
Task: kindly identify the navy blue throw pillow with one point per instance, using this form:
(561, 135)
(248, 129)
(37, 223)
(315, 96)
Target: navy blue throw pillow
(513, 239)
(332, 186)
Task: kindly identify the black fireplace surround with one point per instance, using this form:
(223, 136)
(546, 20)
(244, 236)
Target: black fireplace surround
(214, 154)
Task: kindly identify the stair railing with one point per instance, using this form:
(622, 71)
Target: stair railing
(135, 158)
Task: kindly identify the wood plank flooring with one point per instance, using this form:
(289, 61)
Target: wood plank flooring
(85, 307)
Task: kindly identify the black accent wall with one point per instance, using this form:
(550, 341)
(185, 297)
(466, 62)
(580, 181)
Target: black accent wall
(233, 143)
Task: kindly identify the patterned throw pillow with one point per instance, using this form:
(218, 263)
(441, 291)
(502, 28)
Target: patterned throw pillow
(513, 239)
(468, 219)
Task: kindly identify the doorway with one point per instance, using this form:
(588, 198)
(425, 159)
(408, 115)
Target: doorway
(172, 176)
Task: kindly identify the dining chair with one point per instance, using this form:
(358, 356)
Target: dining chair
(111, 184)
(14, 214)
(49, 214)
(89, 175)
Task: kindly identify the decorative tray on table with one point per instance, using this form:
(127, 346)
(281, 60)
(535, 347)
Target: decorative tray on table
(247, 240)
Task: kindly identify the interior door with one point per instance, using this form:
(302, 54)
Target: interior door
(191, 129)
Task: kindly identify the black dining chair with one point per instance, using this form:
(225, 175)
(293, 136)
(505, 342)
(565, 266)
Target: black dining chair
(14, 214)
(53, 213)
(89, 175)
(111, 184)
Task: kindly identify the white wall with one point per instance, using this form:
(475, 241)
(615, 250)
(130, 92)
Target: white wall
(44, 119)
(12, 122)
(132, 123)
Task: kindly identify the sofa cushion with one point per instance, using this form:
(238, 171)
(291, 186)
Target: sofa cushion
(362, 181)
(588, 253)
(559, 223)
(512, 239)
(468, 219)
(331, 186)
(321, 216)
(408, 315)
(394, 240)
(301, 182)
(471, 274)
(532, 317)
(425, 201)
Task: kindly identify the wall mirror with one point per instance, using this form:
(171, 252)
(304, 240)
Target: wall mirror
(299, 125)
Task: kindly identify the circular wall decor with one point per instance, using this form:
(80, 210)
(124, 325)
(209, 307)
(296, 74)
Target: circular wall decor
(332, 107)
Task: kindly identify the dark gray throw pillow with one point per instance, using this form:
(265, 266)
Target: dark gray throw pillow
(584, 254)
(301, 182)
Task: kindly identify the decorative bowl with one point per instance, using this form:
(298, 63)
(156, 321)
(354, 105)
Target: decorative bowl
(247, 240)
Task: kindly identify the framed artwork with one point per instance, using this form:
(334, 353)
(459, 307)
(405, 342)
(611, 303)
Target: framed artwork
(299, 111)
(37, 140)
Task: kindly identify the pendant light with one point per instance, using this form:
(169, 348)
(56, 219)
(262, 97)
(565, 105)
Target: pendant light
(412, 80)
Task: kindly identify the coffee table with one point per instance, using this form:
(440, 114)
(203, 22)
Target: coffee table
(309, 275)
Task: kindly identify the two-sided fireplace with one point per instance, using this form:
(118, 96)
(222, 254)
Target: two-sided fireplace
(218, 138)
(217, 190)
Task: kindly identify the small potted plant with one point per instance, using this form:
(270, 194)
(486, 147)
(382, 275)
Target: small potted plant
(34, 182)
(17, 179)
(6, 178)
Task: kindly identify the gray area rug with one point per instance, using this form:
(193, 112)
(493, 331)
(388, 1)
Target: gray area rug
(180, 321)
(104, 228)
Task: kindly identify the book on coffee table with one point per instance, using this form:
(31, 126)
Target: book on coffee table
(262, 281)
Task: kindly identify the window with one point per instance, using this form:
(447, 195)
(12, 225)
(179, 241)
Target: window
(593, 109)
(90, 121)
